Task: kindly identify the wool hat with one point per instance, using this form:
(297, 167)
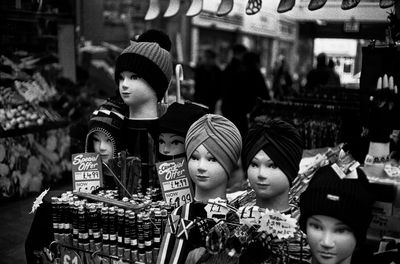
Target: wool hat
(219, 136)
(108, 122)
(150, 62)
(348, 200)
(281, 142)
(154, 35)
(179, 117)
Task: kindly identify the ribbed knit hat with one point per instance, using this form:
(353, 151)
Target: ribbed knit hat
(179, 117)
(280, 141)
(348, 200)
(150, 62)
(219, 136)
(109, 123)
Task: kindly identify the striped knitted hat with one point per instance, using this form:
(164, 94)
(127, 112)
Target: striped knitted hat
(150, 62)
(108, 122)
(219, 136)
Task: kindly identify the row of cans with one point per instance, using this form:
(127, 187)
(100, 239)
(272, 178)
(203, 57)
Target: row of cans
(111, 230)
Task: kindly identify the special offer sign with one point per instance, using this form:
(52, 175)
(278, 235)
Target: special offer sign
(86, 172)
(175, 182)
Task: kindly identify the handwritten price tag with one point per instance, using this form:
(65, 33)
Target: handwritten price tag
(86, 172)
(175, 182)
(277, 224)
(249, 215)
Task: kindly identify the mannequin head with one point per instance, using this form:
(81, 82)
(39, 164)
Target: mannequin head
(335, 214)
(143, 72)
(213, 145)
(271, 156)
(174, 125)
(104, 136)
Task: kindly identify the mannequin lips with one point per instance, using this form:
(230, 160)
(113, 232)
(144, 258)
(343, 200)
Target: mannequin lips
(125, 94)
(202, 177)
(262, 184)
(326, 254)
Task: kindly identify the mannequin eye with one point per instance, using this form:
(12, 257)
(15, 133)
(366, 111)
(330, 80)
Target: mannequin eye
(161, 141)
(212, 159)
(253, 164)
(314, 226)
(342, 229)
(194, 157)
(134, 77)
(176, 142)
(272, 166)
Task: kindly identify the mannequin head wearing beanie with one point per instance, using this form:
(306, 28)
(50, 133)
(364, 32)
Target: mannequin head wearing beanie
(104, 136)
(142, 72)
(335, 214)
(174, 125)
(213, 145)
(272, 152)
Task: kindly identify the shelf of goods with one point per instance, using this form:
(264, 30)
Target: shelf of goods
(34, 138)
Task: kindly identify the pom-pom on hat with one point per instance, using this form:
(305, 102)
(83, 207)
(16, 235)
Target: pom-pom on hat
(150, 62)
(179, 117)
(109, 123)
(348, 200)
(219, 136)
(280, 141)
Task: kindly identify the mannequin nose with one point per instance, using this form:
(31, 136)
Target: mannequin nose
(262, 172)
(327, 240)
(201, 165)
(166, 149)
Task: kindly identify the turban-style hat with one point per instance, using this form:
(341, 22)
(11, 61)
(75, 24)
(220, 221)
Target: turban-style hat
(280, 141)
(219, 136)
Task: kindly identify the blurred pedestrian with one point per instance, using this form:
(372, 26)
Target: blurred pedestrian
(282, 80)
(207, 81)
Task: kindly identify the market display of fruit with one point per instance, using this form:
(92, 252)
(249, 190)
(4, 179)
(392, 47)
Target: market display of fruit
(26, 115)
(21, 92)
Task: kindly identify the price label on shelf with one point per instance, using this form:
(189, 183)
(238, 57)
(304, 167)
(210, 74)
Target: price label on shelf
(86, 172)
(175, 181)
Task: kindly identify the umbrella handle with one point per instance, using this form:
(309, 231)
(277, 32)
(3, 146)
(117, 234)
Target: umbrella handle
(179, 78)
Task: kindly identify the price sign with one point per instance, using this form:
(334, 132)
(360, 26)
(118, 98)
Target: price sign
(175, 182)
(86, 172)
(278, 225)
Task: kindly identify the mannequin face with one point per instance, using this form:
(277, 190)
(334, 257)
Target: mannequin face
(134, 90)
(102, 145)
(331, 241)
(267, 180)
(171, 144)
(205, 171)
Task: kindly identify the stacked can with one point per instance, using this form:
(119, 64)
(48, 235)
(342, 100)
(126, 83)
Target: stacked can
(157, 228)
(55, 215)
(112, 219)
(105, 231)
(140, 237)
(94, 227)
(83, 235)
(127, 236)
(120, 232)
(148, 237)
(75, 230)
(133, 236)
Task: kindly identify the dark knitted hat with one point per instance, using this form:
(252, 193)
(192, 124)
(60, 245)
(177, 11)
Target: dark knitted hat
(280, 140)
(150, 62)
(219, 136)
(109, 123)
(154, 35)
(179, 117)
(348, 200)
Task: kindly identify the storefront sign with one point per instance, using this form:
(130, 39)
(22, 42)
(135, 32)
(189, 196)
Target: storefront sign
(86, 172)
(175, 181)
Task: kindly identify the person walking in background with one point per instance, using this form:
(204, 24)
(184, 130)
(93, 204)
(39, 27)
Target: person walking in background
(282, 81)
(207, 81)
(233, 87)
(321, 76)
(334, 79)
(254, 84)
